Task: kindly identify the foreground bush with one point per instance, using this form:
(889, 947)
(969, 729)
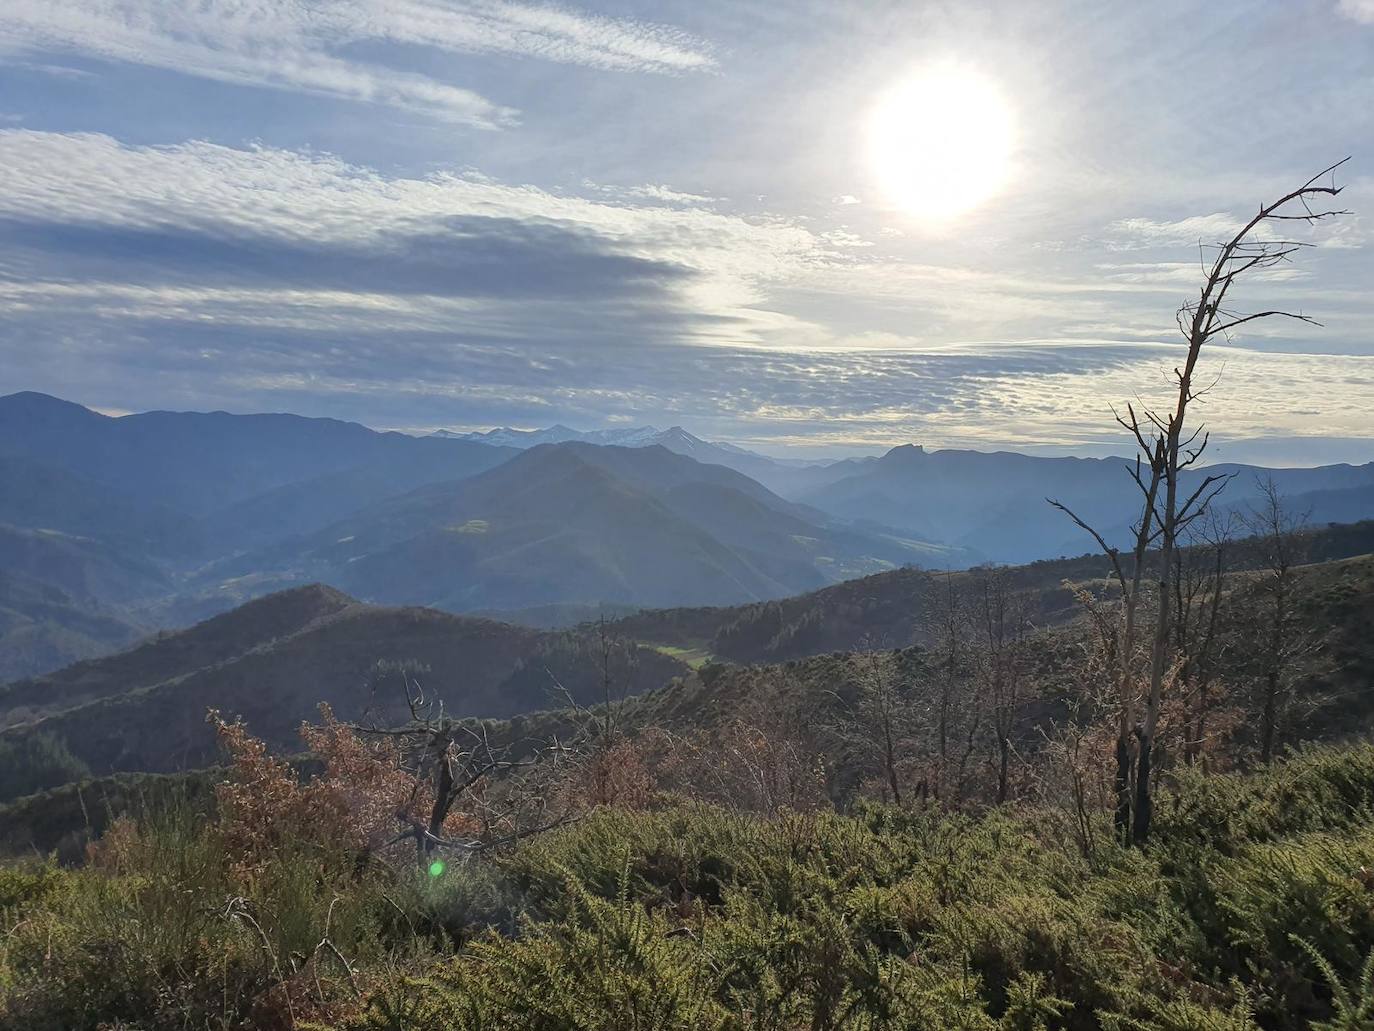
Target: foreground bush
(1244, 914)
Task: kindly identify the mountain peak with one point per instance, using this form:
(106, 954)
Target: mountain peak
(32, 404)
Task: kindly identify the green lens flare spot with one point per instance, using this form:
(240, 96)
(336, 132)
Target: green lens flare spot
(436, 868)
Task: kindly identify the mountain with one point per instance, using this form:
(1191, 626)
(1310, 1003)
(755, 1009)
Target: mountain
(274, 660)
(43, 627)
(87, 569)
(579, 523)
(901, 607)
(102, 520)
(215, 474)
(65, 597)
(995, 503)
(43, 496)
(784, 476)
(156, 520)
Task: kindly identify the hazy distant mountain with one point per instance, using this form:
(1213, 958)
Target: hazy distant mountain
(182, 467)
(65, 597)
(580, 523)
(42, 627)
(42, 495)
(785, 476)
(994, 503)
(84, 568)
(274, 660)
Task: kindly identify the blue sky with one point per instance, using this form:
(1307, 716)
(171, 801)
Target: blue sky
(423, 213)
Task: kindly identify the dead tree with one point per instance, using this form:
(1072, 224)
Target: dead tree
(1123, 640)
(881, 717)
(1003, 624)
(1199, 578)
(885, 707)
(956, 705)
(1278, 537)
(448, 760)
(1170, 448)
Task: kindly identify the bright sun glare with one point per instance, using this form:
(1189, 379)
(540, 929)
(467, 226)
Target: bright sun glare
(940, 143)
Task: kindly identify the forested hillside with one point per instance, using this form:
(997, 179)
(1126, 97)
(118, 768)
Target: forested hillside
(894, 609)
(275, 660)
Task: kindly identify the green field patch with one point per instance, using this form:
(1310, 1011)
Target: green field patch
(695, 656)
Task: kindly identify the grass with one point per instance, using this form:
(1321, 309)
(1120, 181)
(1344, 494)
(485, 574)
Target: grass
(695, 656)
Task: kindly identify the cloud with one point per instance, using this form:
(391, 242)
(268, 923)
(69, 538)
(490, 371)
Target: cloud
(1131, 233)
(93, 180)
(304, 46)
(1359, 10)
(140, 232)
(470, 256)
(657, 192)
(668, 195)
(57, 71)
(199, 275)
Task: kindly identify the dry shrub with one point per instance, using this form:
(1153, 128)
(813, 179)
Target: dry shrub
(356, 803)
(744, 766)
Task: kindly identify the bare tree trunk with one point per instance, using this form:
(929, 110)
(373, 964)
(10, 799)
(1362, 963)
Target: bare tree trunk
(1275, 662)
(1170, 451)
(890, 762)
(1268, 720)
(1004, 763)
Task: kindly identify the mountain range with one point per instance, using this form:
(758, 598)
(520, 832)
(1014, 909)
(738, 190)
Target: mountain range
(115, 527)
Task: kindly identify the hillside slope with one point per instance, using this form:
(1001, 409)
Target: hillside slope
(275, 660)
(900, 607)
(576, 523)
(43, 627)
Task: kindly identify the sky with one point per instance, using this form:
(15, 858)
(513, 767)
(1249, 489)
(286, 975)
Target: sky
(429, 213)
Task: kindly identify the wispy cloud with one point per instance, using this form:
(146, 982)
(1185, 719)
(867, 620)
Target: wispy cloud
(303, 45)
(89, 207)
(667, 194)
(1132, 233)
(94, 178)
(1360, 10)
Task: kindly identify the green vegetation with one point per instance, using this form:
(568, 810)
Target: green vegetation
(695, 657)
(35, 763)
(1249, 909)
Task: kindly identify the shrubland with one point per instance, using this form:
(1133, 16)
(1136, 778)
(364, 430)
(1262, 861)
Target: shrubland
(706, 883)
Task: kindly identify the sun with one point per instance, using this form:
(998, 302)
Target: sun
(940, 142)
